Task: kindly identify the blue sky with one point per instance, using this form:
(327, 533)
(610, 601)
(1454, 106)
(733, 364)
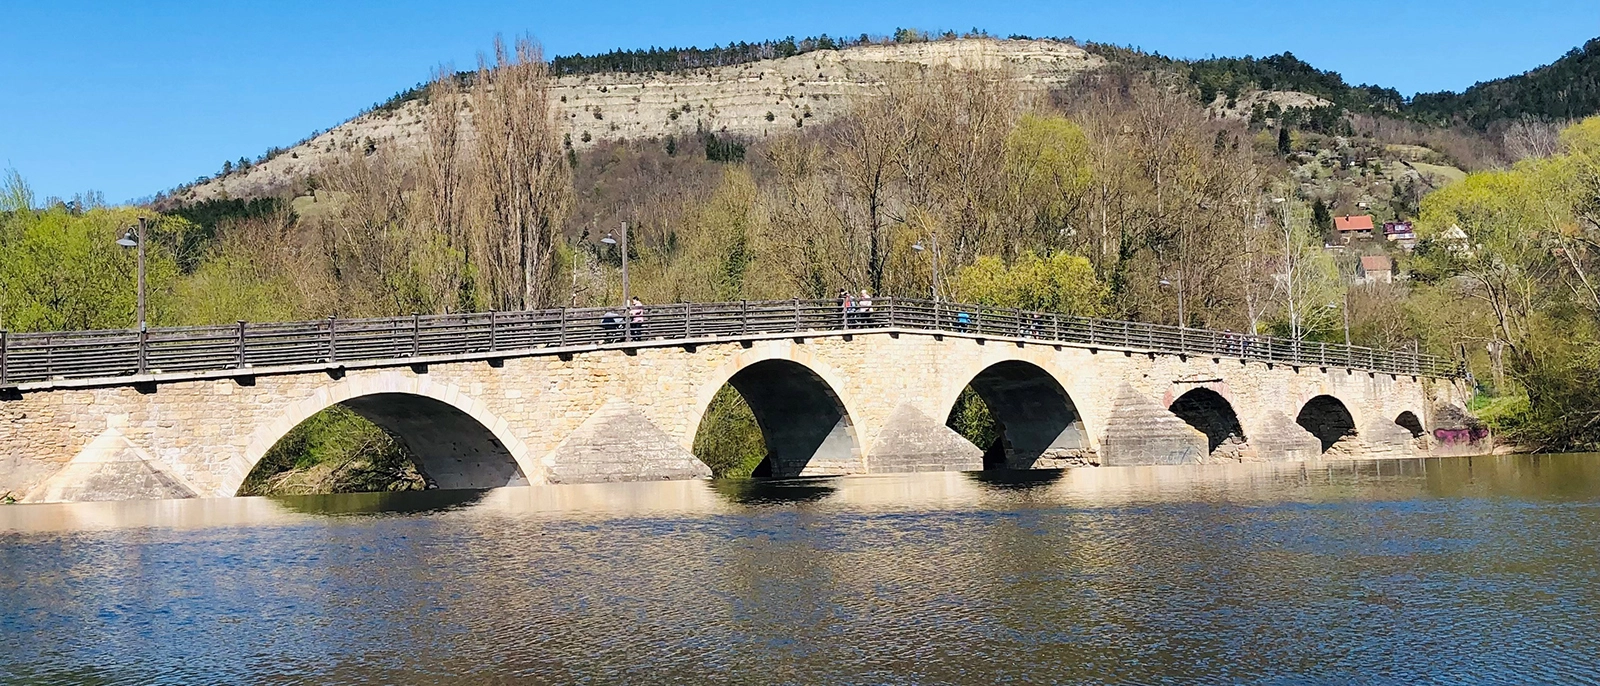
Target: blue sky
(129, 98)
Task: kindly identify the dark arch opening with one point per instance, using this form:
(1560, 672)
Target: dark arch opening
(1328, 419)
(1210, 413)
(385, 442)
(1409, 422)
(776, 418)
(1020, 417)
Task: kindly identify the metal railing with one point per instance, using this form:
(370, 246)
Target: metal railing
(38, 357)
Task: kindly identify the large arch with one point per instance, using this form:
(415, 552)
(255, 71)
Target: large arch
(1327, 418)
(457, 442)
(1037, 418)
(798, 403)
(1209, 413)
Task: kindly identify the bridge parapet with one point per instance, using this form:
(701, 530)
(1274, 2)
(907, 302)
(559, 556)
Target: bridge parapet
(33, 361)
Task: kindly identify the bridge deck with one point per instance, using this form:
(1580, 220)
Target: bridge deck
(35, 361)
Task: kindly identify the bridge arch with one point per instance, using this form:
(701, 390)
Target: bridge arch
(1034, 414)
(457, 442)
(1327, 418)
(1209, 413)
(800, 406)
(1408, 420)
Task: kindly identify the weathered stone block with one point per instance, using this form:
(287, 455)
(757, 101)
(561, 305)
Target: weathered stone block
(1140, 431)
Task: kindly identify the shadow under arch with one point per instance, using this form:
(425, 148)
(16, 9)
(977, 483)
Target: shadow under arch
(1408, 421)
(379, 503)
(1034, 416)
(804, 425)
(774, 491)
(1209, 413)
(454, 441)
(1327, 418)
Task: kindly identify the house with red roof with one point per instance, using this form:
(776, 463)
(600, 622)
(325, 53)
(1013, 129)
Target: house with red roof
(1356, 226)
(1376, 268)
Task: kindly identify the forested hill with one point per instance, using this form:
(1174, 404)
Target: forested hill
(1568, 88)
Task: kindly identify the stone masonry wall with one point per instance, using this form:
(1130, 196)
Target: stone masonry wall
(209, 433)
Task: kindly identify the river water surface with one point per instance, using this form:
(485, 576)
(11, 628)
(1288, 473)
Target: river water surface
(1481, 570)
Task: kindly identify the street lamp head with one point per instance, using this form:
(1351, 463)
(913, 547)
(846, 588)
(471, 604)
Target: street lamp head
(1165, 282)
(917, 246)
(128, 240)
(608, 240)
(1278, 200)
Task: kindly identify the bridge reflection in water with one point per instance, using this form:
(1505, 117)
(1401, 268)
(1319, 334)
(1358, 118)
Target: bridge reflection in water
(1154, 574)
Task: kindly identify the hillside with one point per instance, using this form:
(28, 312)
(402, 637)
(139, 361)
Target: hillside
(753, 99)
(1568, 88)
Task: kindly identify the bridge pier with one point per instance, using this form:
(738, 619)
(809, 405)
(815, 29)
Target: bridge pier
(911, 441)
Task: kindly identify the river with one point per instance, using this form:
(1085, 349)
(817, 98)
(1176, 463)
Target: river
(1449, 571)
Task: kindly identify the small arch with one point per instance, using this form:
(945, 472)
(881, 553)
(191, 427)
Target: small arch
(1327, 418)
(1026, 416)
(453, 439)
(1209, 413)
(1408, 421)
(805, 428)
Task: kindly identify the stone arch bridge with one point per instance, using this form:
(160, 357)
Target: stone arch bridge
(563, 396)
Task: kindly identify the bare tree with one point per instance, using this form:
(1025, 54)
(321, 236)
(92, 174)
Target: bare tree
(524, 183)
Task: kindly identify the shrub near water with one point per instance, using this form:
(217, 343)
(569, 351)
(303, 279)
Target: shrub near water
(335, 451)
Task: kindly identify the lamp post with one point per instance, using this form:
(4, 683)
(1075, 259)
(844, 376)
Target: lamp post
(1182, 321)
(134, 238)
(934, 255)
(608, 240)
(1346, 311)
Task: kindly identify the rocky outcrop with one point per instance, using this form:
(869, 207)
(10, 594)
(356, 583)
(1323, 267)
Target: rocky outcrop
(753, 100)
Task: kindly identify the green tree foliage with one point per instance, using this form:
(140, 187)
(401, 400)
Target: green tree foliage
(335, 451)
(1568, 88)
(1513, 254)
(1047, 162)
(729, 440)
(63, 270)
(656, 59)
(972, 419)
(1061, 282)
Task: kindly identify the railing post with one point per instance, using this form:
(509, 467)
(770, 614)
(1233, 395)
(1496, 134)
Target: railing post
(796, 314)
(977, 320)
(241, 344)
(561, 332)
(1091, 331)
(144, 350)
(1324, 353)
(744, 317)
(5, 350)
(416, 334)
(891, 312)
(493, 332)
(687, 311)
(333, 354)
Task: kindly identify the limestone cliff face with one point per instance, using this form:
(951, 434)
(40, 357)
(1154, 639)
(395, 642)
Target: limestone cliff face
(756, 99)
